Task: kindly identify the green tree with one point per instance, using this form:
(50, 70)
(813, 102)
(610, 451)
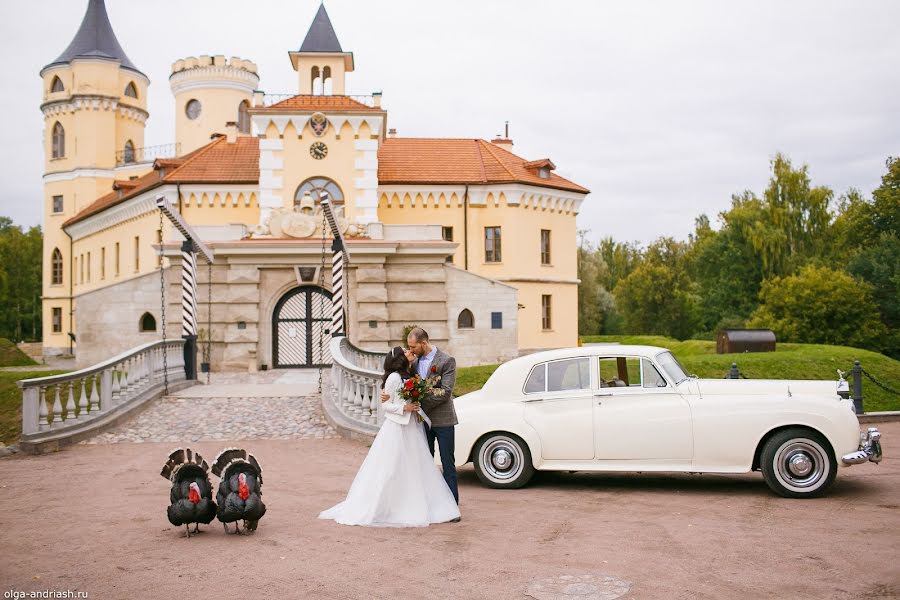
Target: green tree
(655, 299)
(20, 281)
(798, 219)
(620, 258)
(596, 308)
(820, 305)
(725, 265)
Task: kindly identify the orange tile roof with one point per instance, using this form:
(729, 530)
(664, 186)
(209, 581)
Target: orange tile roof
(305, 102)
(216, 162)
(400, 160)
(459, 161)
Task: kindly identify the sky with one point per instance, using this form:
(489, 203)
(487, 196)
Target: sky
(662, 109)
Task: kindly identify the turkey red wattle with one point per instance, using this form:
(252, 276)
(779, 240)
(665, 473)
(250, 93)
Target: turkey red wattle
(194, 493)
(243, 490)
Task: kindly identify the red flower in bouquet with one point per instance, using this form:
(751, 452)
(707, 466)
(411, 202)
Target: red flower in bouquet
(416, 387)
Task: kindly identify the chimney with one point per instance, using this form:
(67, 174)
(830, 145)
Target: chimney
(231, 131)
(392, 132)
(504, 143)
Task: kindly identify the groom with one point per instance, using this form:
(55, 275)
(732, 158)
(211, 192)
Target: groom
(430, 362)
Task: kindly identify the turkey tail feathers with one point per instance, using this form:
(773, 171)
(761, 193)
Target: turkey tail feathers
(179, 458)
(234, 456)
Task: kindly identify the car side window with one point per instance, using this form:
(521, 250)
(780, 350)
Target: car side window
(620, 371)
(537, 380)
(567, 375)
(650, 376)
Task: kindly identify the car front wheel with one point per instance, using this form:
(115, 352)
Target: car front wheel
(798, 463)
(502, 460)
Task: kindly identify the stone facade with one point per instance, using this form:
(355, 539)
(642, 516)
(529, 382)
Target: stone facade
(109, 318)
(482, 344)
(389, 287)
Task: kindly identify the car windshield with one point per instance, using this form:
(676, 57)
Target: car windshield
(672, 367)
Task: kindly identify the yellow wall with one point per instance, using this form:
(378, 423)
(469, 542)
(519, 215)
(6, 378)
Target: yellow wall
(225, 208)
(218, 107)
(520, 253)
(305, 64)
(93, 136)
(339, 165)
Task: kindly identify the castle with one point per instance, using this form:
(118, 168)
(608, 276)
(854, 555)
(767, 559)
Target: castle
(461, 236)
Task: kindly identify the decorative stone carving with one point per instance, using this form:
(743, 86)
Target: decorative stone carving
(304, 220)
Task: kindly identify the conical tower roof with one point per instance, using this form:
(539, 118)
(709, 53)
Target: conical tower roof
(95, 39)
(321, 36)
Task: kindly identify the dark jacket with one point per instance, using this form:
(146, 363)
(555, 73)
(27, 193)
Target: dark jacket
(440, 408)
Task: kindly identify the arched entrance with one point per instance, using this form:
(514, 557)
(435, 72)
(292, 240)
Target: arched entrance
(301, 325)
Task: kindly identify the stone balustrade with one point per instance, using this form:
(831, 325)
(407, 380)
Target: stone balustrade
(63, 409)
(352, 400)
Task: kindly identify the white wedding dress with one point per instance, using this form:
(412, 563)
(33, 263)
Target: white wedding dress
(398, 484)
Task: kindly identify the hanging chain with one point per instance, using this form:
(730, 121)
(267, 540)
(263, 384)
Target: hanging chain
(162, 304)
(206, 346)
(322, 299)
(879, 384)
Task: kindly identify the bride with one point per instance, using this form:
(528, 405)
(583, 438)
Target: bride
(398, 484)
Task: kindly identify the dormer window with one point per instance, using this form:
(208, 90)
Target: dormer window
(541, 167)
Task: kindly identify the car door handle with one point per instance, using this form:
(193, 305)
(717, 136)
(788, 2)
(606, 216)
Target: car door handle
(602, 394)
(533, 400)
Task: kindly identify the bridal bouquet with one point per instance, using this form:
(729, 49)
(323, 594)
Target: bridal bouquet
(415, 389)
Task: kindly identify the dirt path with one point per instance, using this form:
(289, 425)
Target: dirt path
(92, 518)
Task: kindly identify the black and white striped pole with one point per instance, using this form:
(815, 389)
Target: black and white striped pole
(189, 308)
(192, 246)
(339, 256)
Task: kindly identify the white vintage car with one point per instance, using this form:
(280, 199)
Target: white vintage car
(635, 408)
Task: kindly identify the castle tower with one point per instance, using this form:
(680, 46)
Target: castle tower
(95, 110)
(320, 62)
(209, 93)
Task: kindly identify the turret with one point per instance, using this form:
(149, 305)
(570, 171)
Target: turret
(209, 93)
(321, 62)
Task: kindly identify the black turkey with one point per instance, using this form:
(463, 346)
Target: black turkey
(240, 491)
(191, 495)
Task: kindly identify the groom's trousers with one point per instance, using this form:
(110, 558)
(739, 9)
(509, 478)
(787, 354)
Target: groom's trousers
(446, 439)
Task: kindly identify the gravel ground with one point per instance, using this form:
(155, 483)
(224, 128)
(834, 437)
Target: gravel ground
(92, 518)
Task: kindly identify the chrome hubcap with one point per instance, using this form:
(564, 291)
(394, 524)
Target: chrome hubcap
(801, 464)
(501, 459)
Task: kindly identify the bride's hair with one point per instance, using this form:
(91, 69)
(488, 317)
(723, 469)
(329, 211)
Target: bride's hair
(395, 362)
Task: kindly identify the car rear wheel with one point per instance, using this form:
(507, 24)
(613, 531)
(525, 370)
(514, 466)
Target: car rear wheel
(502, 460)
(798, 463)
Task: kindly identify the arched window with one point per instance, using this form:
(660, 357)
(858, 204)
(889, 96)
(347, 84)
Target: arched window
(59, 140)
(243, 120)
(57, 85)
(148, 322)
(327, 83)
(466, 319)
(56, 267)
(315, 76)
(315, 186)
(128, 153)
(131, 90)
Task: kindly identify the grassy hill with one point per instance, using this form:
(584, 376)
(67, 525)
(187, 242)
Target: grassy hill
(10, 356)
(790, 361)
(11, 403)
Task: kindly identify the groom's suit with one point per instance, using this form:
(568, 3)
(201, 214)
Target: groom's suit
(443, 416)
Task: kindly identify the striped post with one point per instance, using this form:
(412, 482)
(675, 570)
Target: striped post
(339, 256)
(337, 288)
(188, 290)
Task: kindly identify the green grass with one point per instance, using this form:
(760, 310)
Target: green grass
(11, 402)
(789, 361)
(11, 356)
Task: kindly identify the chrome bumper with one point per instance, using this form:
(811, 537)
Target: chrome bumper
(869, 448)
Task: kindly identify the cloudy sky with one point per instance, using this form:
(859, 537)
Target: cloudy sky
(663, 109)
